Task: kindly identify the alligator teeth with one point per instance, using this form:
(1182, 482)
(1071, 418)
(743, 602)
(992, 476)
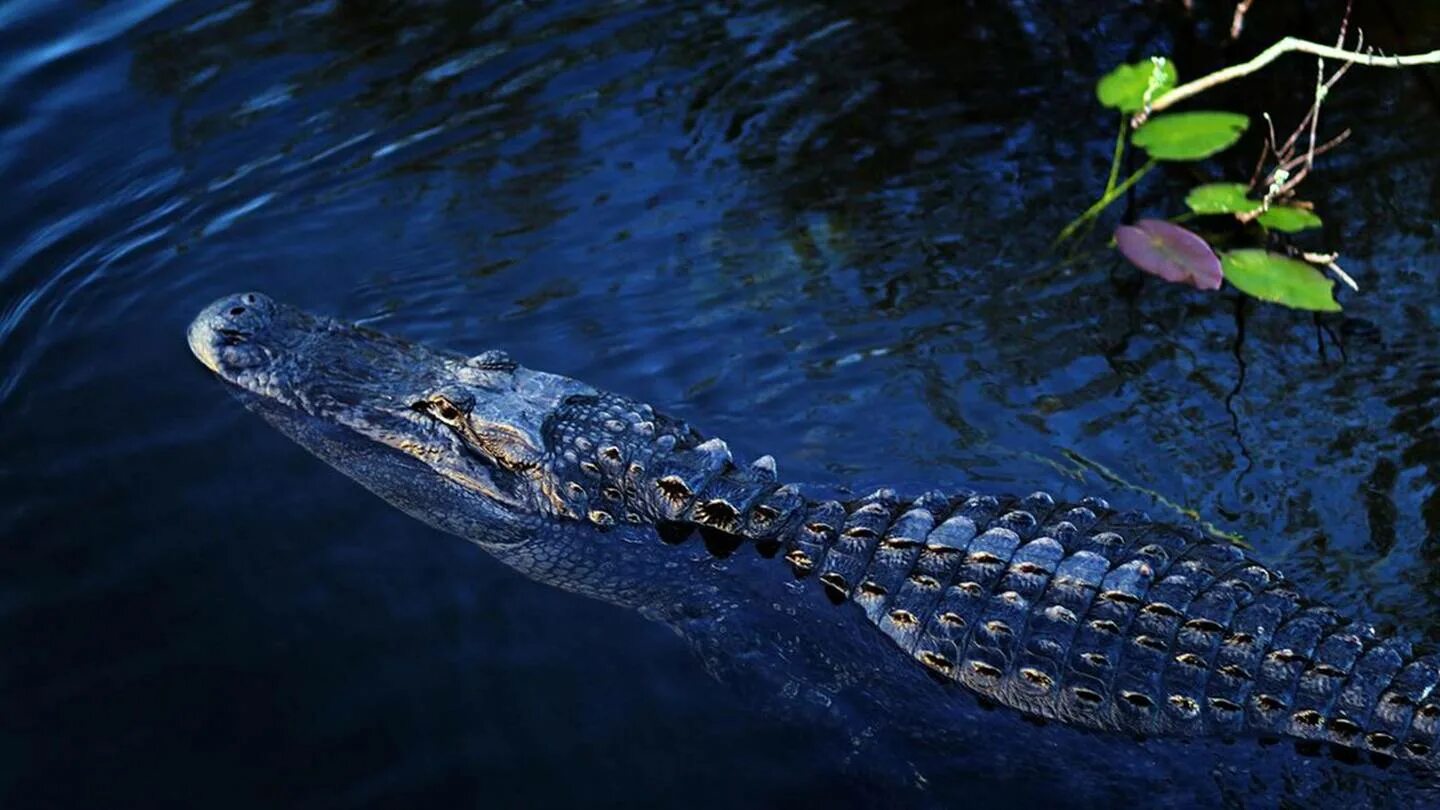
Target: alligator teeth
(764, 467)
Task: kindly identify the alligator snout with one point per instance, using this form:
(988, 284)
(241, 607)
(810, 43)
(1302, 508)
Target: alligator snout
(230, 321)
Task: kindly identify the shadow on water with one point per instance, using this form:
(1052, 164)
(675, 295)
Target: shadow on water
(817, 229)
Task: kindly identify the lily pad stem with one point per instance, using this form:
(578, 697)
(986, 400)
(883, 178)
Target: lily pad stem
(1110, 196)
(1119, 153)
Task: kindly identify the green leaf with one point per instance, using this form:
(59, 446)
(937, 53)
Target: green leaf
(1272, 277)
(1124, 87)
(1221, 198)
(1189, 135)
(1289, 219)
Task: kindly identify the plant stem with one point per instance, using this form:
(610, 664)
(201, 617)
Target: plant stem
(1108, 197)
(1270, 54)
(1119, 153)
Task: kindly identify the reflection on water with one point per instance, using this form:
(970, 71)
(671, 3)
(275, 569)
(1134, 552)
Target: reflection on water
(817, 229)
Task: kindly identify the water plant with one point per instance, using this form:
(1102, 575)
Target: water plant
(1259, 264)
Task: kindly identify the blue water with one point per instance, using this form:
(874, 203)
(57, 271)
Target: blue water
(815, 228)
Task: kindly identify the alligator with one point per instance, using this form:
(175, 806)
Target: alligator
(1114, 630)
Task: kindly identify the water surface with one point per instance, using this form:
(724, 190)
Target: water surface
(818, 229)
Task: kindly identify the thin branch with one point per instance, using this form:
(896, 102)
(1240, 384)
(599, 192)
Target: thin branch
(1288, 185)
(1322, 87)
(1315, 110)
(1270, 54)
(1237, 24)
(1319, 150)
(1265, 150)
(1327, 260)
(1284, 152)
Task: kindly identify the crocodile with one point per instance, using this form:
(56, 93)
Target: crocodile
(1101, 622)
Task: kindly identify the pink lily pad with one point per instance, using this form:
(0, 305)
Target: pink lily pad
(1170, 252)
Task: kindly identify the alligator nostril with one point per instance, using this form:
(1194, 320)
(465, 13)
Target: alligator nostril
(237, 311)
(232, 337)
(250, 298)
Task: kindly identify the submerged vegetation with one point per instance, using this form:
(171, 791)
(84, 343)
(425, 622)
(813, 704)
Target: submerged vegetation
(1243, 230)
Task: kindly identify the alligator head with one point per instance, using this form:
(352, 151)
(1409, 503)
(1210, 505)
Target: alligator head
(478, 446)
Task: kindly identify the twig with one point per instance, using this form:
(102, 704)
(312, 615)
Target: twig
(1284, 152)
(1318, 151)
(1270, 54)
(1237, 24)
(1315, 110)
(1322, 87)
(1327, 260)
(1265, 150)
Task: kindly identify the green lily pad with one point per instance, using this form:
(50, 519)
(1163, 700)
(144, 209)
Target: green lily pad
(1221, 198)
(1190, 135)
(1124, 87)
(1289, 219)
(1280, 279)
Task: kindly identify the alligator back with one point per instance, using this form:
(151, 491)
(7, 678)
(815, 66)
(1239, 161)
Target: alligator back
(1081, 614)
(1071, 612)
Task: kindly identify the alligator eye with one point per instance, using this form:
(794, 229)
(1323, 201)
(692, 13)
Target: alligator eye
(440, 407)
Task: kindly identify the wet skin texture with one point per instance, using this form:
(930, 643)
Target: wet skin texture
(1147, 657)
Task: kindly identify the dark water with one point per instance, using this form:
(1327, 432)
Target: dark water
(817, 229)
